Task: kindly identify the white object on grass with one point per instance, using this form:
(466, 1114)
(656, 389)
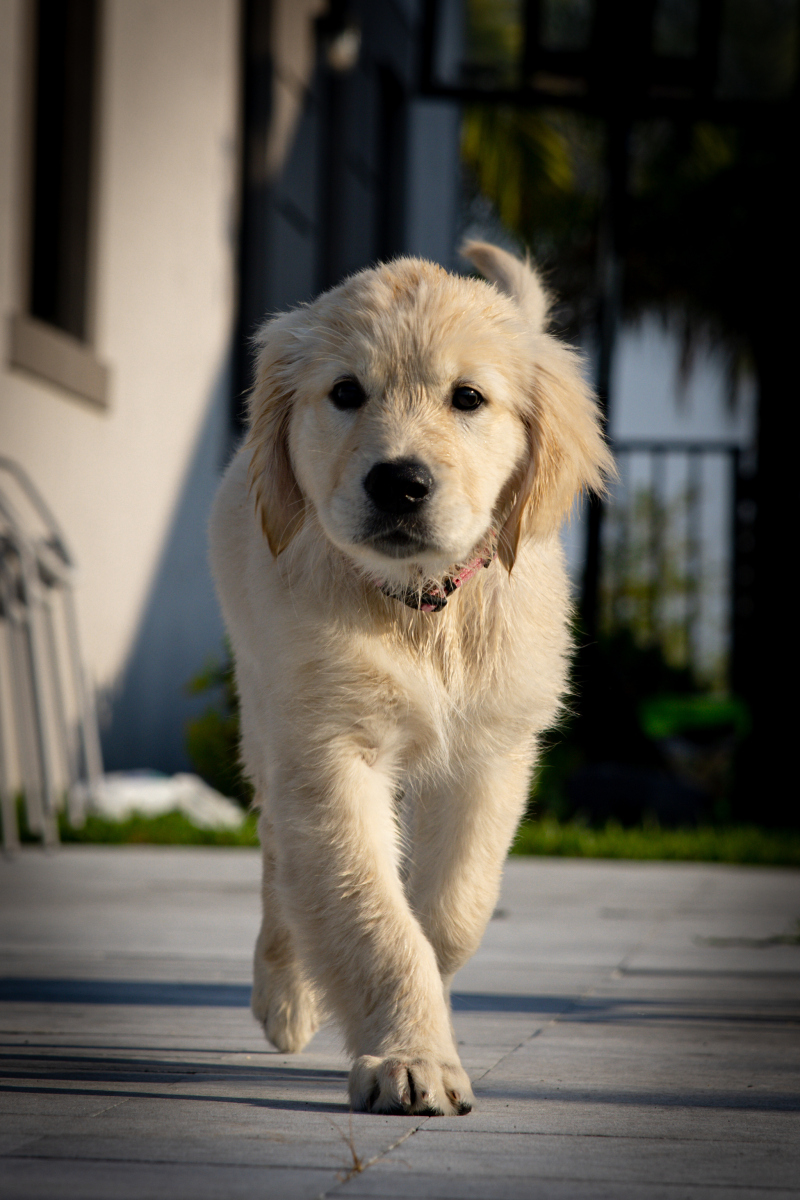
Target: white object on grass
(122, 793)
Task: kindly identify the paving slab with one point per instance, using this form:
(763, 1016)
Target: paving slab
(632, 1031)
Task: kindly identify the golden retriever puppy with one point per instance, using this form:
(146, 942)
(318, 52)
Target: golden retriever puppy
(387, 555)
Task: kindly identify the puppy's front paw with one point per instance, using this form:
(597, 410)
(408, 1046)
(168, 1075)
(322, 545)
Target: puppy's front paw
(423, 1086)
(286, 1009)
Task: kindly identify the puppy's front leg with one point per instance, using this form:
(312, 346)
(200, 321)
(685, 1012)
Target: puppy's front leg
(336, 858)
(462, 830)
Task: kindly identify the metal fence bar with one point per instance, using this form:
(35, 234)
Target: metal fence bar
(88, 729)
(694, 551)
(656, 546)
(654, 571)
(53, 722)
(7, 805)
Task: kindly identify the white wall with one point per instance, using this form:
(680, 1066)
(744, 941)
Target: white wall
(131, 486)
(651, 398)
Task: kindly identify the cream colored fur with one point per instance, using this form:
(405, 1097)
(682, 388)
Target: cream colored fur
(391, 750)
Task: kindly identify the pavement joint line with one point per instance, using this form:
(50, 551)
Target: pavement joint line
(525, 1041)
(536, 1033)
(646, 939)
(270, 1054)
(571, 1007)
(618, 972)
(588, 1179)
(164, 1162)
(108, 1107)
(705, 973)
(613, 1137)
(362, 1167)
(684, 907)
(697, 1189)
(14, 950)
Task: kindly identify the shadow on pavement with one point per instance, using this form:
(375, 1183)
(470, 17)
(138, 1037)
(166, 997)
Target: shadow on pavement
(31, 1073)
(628, 1009)
(740, 1100)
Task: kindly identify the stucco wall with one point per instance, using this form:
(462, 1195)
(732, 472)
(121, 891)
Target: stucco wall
(132, 485)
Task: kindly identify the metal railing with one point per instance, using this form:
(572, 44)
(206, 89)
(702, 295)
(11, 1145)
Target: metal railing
(674, 540)
(48, 725)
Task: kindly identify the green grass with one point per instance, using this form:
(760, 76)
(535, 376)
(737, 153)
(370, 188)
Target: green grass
(544, 836)
(706, 843)
(168, 829)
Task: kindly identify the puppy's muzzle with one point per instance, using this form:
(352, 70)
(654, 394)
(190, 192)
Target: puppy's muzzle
(399, 488)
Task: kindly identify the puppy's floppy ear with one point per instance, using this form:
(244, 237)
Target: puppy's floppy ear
(516, 278)
(279, 501)
(566, 451)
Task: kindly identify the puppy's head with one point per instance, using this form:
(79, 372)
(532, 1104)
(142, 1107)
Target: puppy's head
(411, 411)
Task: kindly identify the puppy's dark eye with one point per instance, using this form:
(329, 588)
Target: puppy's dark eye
(348, 393)
(467, 399)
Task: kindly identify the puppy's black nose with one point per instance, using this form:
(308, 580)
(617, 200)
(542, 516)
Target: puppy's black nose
(398, 487)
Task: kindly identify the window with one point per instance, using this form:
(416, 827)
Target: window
(53, 338)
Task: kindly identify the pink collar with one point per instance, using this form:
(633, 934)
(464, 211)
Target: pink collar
(431, 596)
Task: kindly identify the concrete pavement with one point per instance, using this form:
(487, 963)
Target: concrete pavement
(632, 1030)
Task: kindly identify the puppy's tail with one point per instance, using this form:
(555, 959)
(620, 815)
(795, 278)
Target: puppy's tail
(516, 278)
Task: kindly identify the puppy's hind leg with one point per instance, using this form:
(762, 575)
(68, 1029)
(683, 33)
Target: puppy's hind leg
(282, 999)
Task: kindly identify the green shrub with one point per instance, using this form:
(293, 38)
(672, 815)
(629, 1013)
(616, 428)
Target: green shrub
(706, 843)
(212, 738)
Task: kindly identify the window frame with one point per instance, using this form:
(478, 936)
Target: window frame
(36, 345)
